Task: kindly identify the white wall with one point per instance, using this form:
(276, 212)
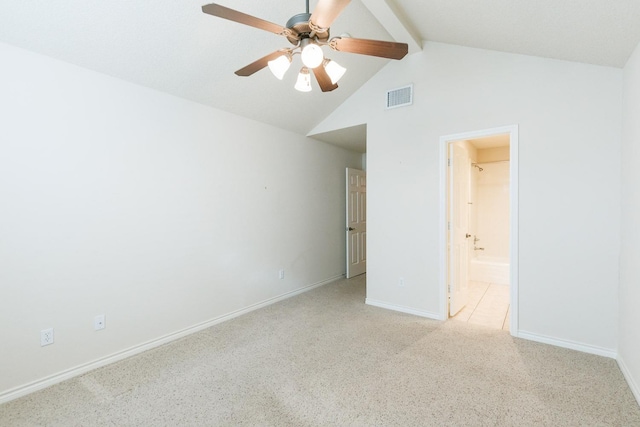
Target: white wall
(629, 317)
(156, 211)
(569, 119)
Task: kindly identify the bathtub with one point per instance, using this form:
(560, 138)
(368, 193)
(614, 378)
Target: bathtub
(489, 269)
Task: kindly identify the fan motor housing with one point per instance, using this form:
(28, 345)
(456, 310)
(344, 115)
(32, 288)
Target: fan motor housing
(300, 25)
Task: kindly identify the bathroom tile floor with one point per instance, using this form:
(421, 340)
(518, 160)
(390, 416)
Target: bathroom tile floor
(488, 306)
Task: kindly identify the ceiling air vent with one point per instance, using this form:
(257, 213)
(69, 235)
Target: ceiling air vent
(400, 97)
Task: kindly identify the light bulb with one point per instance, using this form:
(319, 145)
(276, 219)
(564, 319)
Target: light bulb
(312, 55)
(304, 81)
(334, 70)
(280, 65)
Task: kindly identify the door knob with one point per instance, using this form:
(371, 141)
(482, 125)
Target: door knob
(350, 228)
(467, 235)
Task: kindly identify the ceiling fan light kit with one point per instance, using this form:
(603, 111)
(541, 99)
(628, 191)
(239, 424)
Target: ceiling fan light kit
(335, 70)
(280, 65)
(311, 55)
(308, 33)
(304, 81)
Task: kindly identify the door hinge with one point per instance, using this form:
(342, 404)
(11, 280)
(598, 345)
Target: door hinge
(448, 162)
(449, 225)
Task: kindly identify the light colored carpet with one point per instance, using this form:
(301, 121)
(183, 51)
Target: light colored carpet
(325, 358)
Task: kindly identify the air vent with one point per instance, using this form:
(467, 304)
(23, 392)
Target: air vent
(400, 97)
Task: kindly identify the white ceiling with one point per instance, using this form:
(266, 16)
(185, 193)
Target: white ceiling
(354, 138)
(601, 32)
(492, 141)
(173, 47)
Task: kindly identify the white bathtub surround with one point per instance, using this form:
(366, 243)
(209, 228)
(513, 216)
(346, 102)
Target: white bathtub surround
(489, 270)
(492, 210)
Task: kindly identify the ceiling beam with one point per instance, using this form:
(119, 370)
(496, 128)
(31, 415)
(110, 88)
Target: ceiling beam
(388, 14)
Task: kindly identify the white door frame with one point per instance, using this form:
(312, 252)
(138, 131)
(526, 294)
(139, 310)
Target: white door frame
(513, 217)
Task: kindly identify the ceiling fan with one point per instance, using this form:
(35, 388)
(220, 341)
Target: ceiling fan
(308, 32)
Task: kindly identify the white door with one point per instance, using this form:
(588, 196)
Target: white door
(459, 178)
(356, 222)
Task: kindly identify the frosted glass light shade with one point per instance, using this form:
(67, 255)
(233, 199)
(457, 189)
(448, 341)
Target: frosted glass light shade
(280, 65)
(304, 81)
(312, 55)
(334, 70)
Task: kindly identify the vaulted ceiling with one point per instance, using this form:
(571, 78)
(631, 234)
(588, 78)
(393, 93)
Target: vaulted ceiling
(173, 47)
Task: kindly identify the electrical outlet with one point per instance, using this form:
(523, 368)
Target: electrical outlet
(99, 322)
(401, 282)
(46, 337)
(281, 274)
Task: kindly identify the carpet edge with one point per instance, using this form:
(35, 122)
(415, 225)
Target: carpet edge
(48, 381)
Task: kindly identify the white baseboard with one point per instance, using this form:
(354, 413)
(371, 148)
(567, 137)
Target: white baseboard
(585, 348)
(48, 381)
(633, 385)
(402, 309)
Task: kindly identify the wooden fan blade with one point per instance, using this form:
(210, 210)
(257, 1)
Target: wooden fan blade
(258, 65)
(323, 79)
(379, 48)
(327, 11)
(242, 18)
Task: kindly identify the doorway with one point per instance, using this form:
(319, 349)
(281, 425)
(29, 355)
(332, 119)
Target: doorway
(479, 267)
(356, 232)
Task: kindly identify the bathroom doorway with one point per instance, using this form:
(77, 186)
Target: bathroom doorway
(480, 228)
